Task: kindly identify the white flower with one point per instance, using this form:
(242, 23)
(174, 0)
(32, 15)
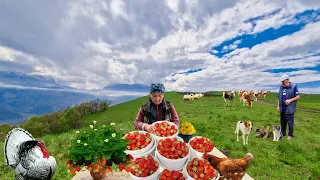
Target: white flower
(91, 126)
(77, 132)
(94, 122)
(95, 129)
(85, 144)
(78, 141)
(104, 126)
(112, 124)
(106, 140)
(113, 135)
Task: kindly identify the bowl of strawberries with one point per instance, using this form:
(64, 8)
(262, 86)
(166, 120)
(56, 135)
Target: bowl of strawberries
(172, 153)
(200, 145)
(200, 169)
(139, 142)
(167, 174)
(164, 129)
(144, 168)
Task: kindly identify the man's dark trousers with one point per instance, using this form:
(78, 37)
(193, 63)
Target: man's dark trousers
(287, 119)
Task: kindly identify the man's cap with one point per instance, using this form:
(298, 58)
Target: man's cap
(157, 87)
(284, 77)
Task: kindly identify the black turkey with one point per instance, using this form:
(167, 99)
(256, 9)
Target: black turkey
(29, 157)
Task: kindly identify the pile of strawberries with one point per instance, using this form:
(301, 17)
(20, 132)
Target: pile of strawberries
(172, 148)
(200, 169)
(164, 129)
(143, 167)
(201, 144)
(171, 175)
(137, 140)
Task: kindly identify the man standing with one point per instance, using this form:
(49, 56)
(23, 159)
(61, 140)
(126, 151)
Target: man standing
(287, 101)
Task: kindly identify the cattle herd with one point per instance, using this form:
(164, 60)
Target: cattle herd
(244, 96)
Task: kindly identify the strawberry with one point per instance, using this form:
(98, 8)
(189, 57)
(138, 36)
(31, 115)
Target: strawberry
(169, 148)
(201, 144)
(137, 140)
(164, 129)
(78, 168)
(200, 168)
(143, 167)
(167, 174)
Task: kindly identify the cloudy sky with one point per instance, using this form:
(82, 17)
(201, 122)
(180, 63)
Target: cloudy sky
(188, 45)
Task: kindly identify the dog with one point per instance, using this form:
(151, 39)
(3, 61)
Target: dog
(245, 128)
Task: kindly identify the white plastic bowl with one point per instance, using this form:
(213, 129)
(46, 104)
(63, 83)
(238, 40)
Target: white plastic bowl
(143, 150)
(159, 137)
(163, 166)
(149, 152)
(188, 177)
(172, 164)
(151, 177)
(194, 153)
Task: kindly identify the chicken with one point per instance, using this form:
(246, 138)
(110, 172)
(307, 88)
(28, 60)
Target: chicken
(29, 158)
(230, 168)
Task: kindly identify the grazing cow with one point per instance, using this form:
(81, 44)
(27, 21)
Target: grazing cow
(255, 95)
(227, 97)
(246, 99)
(264, 94)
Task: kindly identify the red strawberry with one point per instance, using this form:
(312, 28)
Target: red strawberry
(200, 168)
(201, 144)
(137, 140)
(78, 168)
(174, 175)
(143, 167)
(168, 148)
(164, 129)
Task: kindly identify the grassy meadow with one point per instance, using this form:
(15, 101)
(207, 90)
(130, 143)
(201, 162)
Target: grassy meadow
(296, 159)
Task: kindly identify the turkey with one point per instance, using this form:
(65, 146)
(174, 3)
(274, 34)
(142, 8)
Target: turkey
(29, 157)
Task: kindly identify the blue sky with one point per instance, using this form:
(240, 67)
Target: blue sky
(188, 45)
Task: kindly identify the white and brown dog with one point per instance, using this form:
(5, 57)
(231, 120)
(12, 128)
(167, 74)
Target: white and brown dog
(245, 128)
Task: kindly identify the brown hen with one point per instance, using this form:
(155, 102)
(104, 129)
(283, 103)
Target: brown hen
(230, 168)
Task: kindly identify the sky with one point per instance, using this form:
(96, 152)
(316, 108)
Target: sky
(187, 45)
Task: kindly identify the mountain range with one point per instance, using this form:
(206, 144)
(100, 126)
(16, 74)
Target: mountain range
(22, 95)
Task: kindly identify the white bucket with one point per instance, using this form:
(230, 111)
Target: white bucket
(143, 150)
(151, 177)
(188, 177)
(157, 138)
(194, 153)
(151, 152)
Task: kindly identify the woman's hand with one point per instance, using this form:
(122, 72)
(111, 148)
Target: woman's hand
(149, 128)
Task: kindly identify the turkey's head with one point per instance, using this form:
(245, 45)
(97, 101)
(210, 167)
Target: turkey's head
(43, 149)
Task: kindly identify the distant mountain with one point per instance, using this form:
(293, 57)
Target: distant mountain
(19, 104)
(128, 87)
(21, 79)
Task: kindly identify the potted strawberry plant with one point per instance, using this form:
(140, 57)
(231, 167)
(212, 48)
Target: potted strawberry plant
(97, 148)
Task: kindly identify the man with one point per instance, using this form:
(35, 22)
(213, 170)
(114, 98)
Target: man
(287, 101)
(157, 108)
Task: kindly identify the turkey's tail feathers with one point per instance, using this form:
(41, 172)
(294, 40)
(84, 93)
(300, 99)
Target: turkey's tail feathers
(12, 145)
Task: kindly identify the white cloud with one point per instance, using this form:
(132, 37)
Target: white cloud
(96, 43)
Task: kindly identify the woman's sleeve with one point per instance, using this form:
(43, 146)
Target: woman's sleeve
(174, 116)
(138, 123)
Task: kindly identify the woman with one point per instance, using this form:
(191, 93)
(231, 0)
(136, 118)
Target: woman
(155, 109)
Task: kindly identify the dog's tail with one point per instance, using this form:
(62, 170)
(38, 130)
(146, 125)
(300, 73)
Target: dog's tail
(237, 128)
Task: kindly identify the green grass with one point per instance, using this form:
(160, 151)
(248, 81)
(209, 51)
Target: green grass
(311, 101)
(296, 159)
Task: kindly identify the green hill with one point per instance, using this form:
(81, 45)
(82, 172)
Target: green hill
(296, 159)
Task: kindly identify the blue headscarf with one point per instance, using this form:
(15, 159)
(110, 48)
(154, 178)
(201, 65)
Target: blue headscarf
(157, 87)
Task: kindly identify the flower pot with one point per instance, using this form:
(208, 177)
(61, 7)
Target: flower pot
(186, 137)
(98, 175)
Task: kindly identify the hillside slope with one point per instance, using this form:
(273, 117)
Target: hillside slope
(294, 159)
